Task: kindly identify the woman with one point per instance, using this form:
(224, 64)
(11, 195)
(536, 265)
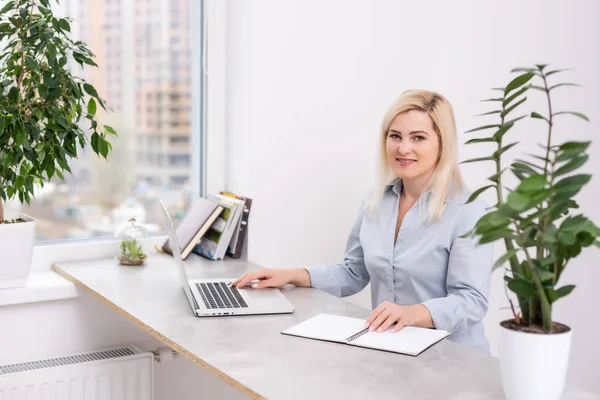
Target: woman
(407, 239)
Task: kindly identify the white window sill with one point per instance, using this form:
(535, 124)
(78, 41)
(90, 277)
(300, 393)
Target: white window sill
(41, 286)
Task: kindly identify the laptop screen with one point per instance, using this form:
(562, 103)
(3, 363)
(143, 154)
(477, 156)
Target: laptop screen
(174, 244)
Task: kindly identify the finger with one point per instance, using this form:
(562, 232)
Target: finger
(379, 320)
(387, 323)
(264, 284)
(374, 314)
(399, 325)
(250, 277)
(238, 280)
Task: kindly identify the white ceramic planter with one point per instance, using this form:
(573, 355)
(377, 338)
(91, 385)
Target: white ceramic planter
(16, 249)
(534, 366)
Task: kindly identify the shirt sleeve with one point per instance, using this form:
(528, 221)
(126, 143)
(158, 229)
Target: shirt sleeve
(468, 278)
(349, 277)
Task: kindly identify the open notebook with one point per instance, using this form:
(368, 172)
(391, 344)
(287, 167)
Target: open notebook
(336, 328)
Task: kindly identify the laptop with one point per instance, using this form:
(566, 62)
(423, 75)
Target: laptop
(216, 297)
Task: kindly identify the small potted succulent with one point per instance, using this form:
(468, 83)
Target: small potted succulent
(132, 252)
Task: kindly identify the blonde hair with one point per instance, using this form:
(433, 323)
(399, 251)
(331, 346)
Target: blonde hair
(446, 179)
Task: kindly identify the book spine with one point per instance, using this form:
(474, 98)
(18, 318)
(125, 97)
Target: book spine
(243, 229)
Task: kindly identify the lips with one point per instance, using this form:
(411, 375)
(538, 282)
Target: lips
(405, 162)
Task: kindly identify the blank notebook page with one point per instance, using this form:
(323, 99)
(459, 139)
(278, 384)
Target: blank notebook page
(409, 340)
(329, 327)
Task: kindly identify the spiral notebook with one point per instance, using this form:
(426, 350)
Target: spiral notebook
(409, 340)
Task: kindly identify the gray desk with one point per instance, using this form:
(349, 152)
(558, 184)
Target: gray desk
(250, 354)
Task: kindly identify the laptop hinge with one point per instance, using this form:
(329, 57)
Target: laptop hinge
(196, 306)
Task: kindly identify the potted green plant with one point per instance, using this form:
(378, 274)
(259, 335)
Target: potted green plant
(42, 105)
(541, 230)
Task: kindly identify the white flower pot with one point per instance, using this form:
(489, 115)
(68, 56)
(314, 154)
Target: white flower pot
(533, 365)
(16, 249)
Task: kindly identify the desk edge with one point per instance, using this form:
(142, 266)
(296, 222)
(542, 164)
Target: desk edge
(190, 356)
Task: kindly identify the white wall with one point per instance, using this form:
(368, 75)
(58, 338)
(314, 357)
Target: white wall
(308, 82)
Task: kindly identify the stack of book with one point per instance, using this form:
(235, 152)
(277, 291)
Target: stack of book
(214, 227)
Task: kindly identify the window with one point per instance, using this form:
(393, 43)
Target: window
(139, 170)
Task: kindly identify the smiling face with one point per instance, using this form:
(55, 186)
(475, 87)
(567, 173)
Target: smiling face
(412, 146)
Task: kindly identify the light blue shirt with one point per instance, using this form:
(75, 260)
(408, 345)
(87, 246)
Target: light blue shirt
(428, 264)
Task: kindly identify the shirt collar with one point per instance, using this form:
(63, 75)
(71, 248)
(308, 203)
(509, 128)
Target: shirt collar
(396, 187)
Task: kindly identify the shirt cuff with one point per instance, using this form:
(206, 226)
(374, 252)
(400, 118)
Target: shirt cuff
(320, 278)
(442, 314)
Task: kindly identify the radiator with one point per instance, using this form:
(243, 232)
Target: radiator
(115, 374)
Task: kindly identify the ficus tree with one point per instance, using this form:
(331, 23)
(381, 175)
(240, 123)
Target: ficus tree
(43, 105)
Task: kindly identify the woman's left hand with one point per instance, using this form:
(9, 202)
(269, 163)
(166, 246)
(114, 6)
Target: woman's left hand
(388, 313)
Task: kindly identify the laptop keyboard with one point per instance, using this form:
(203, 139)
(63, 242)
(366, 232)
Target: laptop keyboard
(220, 295)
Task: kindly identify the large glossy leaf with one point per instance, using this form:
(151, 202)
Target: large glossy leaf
(518, 82)
(91, 108)
(517, 104)
(514, 96)
(571, 149)
(533, 183)
(529, 163)
(555, 294)
(580, 146)
(110, 130)
(572, 183)
(572, 165)
(522, 288)
(523, 168)
(503, 129)
(90, 90)
(518, 201)
(567, 237)
(544, 274)
(492, 221)
(496, 235)
(7, 7)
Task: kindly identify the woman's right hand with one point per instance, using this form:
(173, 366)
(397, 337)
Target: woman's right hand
(274, 278)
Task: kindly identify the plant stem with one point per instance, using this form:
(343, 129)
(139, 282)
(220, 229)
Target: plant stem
(531, 306)
(549, 122)
(546, 306)
(508, 243)
(1, 210)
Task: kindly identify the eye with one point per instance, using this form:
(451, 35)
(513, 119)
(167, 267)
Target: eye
(395, 136)
(418, 138)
